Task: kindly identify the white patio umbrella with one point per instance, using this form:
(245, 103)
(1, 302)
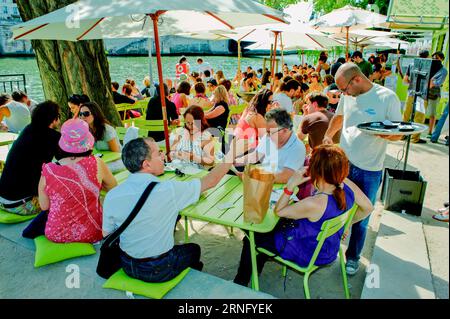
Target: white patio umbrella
(362, 37)
(381, 43)
(102, 19)
(341, 20)
(293, 36)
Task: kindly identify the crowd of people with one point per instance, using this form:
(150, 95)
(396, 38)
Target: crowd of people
(300, 125)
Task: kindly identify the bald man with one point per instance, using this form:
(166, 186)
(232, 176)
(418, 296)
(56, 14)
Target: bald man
(362, 101)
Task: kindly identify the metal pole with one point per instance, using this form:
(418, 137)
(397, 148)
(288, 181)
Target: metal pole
(239, 56)
(274, 54)
(346, 47)
(150, 57)
(161, 81)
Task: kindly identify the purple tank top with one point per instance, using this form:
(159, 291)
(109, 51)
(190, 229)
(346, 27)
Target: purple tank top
(297, 241)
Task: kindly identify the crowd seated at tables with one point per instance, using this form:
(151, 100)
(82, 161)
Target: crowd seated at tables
(57, 175)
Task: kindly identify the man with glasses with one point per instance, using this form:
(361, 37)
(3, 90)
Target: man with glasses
(362, 101)
(148, 247)
(279, 151)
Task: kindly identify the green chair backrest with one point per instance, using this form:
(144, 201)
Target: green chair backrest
(123, 108)
(150, 125)
(236, 109)
(140, 105)
(331, 227)
(121, 131)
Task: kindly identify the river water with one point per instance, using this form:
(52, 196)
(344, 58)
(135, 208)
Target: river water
(121, 68)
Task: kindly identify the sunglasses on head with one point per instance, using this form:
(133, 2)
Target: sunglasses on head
(84, 114)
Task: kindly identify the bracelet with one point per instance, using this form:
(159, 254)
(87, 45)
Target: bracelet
(287, 192)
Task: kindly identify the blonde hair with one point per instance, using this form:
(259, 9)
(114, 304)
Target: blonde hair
(221, 94)
(220, 76)
(146, 81)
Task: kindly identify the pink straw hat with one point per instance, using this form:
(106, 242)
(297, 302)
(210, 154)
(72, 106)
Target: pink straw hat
(75, 137)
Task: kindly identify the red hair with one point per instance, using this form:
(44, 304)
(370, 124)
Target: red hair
(330, 164)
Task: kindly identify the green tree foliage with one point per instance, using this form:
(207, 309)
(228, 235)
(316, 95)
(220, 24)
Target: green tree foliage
(326, 6)
(279, 4)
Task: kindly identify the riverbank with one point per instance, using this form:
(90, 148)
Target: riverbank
(121, 68)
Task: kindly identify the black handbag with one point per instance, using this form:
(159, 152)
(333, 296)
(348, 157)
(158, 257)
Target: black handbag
(109, 260)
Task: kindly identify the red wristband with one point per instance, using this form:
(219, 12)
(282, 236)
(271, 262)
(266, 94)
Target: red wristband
(288, 192)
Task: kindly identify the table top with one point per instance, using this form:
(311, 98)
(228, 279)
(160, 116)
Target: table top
(7, 138)
(108, 156)
(373, 129)
(222, 205)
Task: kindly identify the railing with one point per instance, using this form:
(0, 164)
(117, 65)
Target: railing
(13, 82)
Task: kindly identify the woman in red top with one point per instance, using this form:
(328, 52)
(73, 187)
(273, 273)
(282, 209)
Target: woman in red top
(252, 125)
(70, 188)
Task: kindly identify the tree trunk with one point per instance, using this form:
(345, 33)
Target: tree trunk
(68, 68)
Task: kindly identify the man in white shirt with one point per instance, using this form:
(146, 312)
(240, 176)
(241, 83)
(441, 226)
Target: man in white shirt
(22, 97)
(362, 101)
(148, 250)
(16, 115)
(279, 151)
(203, 66)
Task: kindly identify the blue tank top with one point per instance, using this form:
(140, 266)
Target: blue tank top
(297, 241)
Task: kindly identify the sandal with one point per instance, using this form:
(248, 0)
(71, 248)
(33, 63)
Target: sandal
(441, 217)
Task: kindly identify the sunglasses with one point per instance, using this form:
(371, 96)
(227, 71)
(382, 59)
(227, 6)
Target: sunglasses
(179, 173)
(84, 114)
(269, 133)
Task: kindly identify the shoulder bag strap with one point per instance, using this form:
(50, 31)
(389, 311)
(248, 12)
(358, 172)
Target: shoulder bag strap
(110, 239)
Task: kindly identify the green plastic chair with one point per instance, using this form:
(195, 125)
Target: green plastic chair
(236, 109)
(329, 228)
(125, 107)
(149, 125)
(121, 131)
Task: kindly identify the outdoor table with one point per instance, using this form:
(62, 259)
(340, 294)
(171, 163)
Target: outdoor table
(108, 156)
(247, 96)
(7, 138)
(228, 192)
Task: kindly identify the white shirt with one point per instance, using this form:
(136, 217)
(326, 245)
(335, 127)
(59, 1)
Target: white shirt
(275, 160)
(33, 105)
(284, 102)
(203, 67)
(367, 151)
(19, 118)
(151, 232)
